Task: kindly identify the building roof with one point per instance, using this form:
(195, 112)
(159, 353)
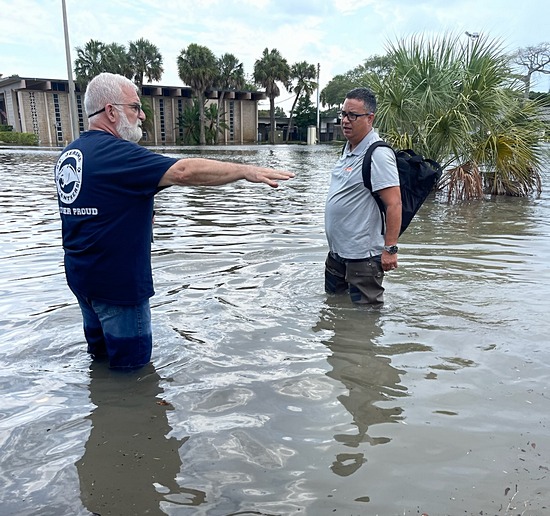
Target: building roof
(28, 83)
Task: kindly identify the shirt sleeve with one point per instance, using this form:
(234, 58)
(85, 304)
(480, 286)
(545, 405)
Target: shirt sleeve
(384, 172)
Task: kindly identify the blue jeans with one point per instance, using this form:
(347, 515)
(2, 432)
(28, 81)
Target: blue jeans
(119, 332)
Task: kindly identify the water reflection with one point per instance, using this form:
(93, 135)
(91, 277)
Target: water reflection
(371, 381)
(130, 466)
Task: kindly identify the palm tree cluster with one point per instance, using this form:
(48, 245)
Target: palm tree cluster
(199, 68)
(142, 59)
(203, 72)
(457, 103)
(300, 78)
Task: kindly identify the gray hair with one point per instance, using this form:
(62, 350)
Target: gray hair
(105, 88)
(366, 96)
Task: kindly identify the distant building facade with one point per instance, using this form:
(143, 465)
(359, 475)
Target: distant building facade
(41, 106)
(329, 130)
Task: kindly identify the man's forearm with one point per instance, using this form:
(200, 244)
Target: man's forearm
(207, 172)
(393, 224)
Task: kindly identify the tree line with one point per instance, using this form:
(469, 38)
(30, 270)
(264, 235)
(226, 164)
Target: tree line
(202, 71)
(462, 103)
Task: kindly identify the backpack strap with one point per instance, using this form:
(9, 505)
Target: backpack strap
(366, 169)
(367, 161)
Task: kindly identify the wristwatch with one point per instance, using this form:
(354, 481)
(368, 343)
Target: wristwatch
(392, 249)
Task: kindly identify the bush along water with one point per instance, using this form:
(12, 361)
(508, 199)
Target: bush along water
(13, 138)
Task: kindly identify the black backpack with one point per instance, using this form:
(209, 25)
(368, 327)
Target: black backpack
(417, 178)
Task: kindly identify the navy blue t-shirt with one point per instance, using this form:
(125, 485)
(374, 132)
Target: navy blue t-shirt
(106, 187)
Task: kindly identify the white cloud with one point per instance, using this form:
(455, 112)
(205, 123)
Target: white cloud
(337, 34)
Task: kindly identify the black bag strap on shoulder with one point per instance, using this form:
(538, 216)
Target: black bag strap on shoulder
(367, 161)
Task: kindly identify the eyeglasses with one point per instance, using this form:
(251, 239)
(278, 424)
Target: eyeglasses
(352, 117)
(135, 106)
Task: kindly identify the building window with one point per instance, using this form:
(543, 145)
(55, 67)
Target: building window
(231, 120)
(3, 114)
(180, 115)
(162, 121)
(58, 126)
(60, 86)
(34, 115)
(80, 112)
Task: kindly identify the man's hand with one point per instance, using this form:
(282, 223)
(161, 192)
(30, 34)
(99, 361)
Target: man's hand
(389, 261)
(268, 176)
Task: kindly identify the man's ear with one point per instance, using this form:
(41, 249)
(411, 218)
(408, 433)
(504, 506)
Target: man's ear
(110, 112)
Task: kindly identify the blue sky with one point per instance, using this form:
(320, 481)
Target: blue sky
(336, 34)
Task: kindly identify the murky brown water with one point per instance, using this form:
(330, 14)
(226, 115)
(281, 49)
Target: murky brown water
(266, 397)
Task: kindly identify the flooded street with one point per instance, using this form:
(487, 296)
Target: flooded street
(265, 396)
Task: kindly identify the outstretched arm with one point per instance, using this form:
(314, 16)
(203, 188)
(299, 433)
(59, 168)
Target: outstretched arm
(208, 172)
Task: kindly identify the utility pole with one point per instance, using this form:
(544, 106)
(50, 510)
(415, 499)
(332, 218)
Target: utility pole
(73, 114)
(318, 117)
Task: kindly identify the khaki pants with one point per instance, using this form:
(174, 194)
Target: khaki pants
(361, 278)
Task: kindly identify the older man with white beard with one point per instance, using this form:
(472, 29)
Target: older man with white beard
(106, 185)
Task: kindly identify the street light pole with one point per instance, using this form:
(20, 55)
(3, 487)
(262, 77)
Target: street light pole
(318, 117)
(72, 100)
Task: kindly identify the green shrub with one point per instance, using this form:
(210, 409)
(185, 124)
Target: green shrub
(18, 138)
(5, 128)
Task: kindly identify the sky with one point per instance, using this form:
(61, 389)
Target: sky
(337, 35)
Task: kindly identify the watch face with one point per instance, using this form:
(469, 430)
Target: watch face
(392, 249)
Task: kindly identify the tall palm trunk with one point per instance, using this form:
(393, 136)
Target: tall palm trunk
(221, 100)
(202, 134)
(290, 120)
(272, 120)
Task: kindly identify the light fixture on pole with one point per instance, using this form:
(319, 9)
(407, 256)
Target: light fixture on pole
(72, 101)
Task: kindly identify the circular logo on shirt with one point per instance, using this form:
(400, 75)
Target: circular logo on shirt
(68, 175)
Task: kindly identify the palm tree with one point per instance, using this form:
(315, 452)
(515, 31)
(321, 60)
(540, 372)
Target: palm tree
(89, 62)
(213, 125)
(145, 61)
(146, 107)
(197, 67)
(97, 57)
(305, 75)
(230, 77)
(115, 60)
(272, 67)
(456, 103)
(189, 121)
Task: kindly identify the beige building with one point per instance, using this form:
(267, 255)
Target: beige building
(41, 106)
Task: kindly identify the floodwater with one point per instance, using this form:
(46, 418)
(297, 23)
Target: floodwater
(265, 396)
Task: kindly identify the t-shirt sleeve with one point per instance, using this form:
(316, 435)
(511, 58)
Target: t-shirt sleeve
(143, 168)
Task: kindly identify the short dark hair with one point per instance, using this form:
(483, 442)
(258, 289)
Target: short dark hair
(366, 96)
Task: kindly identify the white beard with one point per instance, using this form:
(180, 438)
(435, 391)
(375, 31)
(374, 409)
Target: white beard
(128, 131)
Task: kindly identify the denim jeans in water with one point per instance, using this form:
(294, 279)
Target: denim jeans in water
(119, 332)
